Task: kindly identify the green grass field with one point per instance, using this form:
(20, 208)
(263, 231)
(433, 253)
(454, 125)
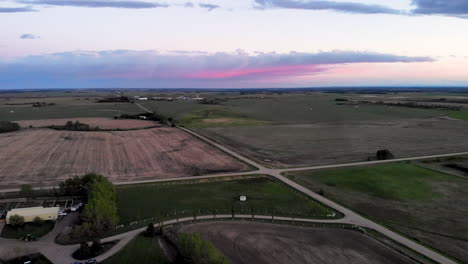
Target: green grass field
(462, 114)
(141, 250)
(28, 228)
(423, 204)
(404, 182)
(167, 200)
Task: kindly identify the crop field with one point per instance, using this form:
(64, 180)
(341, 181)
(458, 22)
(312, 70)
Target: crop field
(314, 129)
(421, 203)
(102, 123)
(21, 107)
(328, 143)
(46, 156)
(245, 243)
(205, 197)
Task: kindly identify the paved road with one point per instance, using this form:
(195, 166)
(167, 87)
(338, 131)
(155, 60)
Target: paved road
(61, 254)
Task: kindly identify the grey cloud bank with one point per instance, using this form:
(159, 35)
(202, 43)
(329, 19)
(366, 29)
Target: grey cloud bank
(29, 36)
(97, 3)
(100, 69)
(16, 9)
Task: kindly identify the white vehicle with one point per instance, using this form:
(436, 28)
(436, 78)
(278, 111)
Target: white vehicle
(62, 213)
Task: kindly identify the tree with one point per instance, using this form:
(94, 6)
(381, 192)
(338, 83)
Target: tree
(384, 154)
(101, 209)
(16, 220)
(38, 220)
(150, 231)
(96, 247)
(26, 190)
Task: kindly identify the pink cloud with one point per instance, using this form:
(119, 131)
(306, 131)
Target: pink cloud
(289, 70)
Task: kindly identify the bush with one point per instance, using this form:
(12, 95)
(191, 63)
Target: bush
(37, 220)
(6, 126)
(26, 191)
(384, 154)
(150, 231)
(194, 250)
(16, 220)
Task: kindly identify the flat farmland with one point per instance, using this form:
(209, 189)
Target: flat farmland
(421, 203)
(339, 142)
(45, 156)
(102, 123)
(245, 243)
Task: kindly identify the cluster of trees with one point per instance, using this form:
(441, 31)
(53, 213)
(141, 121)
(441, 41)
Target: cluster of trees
(76, 126)
(120, 99)
(148, 116)
(194, 250)
(41, 104)
(416, 105)
(6, 126)
(78, 185)
(100, 212)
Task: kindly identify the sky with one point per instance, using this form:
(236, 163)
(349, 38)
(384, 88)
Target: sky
(232, 44)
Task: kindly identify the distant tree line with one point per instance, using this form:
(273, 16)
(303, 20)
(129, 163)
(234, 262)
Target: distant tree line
(6, 126)
(41, 104)
(415, 105)
(148, 116)
(120, 99)
(75, 126)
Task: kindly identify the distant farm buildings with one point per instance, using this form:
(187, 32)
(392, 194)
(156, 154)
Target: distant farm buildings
(44, 213)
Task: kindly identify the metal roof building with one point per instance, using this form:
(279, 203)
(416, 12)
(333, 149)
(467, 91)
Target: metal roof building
(45, 213)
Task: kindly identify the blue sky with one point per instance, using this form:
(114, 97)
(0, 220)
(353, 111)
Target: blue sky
(243, 43)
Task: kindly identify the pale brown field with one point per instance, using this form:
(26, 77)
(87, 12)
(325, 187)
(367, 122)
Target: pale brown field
(101, 122)
(45, 156)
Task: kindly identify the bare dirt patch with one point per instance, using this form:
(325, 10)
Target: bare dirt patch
(46, 156)
(102, 123)
(245, 243)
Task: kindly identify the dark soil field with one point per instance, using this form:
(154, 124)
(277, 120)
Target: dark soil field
(246, 243)
(46, 156)
(426, 205)
(339, 142)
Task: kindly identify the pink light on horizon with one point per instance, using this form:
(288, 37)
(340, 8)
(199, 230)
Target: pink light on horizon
(272, 71)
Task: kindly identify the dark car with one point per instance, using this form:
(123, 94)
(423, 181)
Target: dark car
(91, 261)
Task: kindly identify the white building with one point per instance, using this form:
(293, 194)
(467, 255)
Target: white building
(45, 213)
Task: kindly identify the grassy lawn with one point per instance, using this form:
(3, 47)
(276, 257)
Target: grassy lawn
(165, 200)
(423, 204)
(28, 228)
(141, 250)
(404, 182)
(462, 114)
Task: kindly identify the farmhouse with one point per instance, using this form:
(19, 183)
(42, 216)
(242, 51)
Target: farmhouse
(45, 213)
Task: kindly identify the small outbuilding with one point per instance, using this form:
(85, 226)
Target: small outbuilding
(45, 213)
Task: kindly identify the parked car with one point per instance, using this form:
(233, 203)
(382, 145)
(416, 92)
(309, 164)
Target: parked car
(77, 263)
(62, 213)
(26, 260)
(91, 261)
